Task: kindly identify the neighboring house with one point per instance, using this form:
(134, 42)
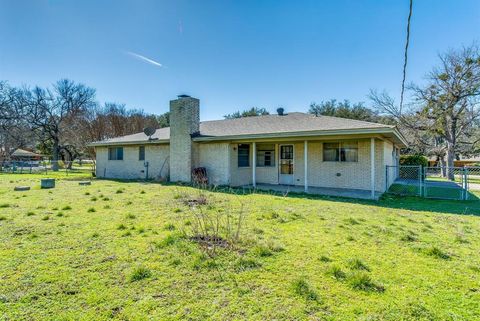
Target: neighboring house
(25, 156)
(461, 162)
(298, 150)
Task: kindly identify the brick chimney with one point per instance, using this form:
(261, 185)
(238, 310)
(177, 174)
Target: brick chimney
(184, 122)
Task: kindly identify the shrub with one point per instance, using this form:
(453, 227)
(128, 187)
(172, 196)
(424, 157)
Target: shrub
(362, 281)
(357, 264)
(418, 160)
(140, 273)
(302, 288)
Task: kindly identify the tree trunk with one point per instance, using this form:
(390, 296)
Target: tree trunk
(450, 159)
(443, 166)
(55, 155)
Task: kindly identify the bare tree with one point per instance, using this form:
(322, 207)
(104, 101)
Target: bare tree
(48, 111)
(445, 111)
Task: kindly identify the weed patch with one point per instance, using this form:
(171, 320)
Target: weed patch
(140, 273)
(302, 288)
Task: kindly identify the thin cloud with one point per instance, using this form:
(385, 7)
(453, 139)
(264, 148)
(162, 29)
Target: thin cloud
(144, 59)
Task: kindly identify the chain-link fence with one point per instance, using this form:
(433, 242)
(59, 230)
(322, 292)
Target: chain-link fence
(404, 180)
(456, 183)
(82, 167)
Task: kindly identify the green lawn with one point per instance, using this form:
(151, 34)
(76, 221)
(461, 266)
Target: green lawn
(121, 250)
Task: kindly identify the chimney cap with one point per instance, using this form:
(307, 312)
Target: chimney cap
(183, 96)
(280, 111)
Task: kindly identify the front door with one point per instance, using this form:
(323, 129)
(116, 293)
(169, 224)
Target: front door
(286, 165)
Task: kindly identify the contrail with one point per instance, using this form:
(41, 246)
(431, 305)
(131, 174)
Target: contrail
(145, 59)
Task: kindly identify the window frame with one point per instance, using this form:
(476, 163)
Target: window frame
(262, 155)
(117, 155)
(241, 164)
(340, 154)
(141, 153)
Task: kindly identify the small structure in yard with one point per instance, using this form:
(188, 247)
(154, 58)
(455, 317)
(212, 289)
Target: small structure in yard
(47, 183)
(21, 188)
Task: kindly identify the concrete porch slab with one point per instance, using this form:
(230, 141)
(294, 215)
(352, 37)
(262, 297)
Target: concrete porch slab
(328, 191)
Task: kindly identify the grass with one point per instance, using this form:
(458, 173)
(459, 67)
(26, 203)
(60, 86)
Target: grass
(409, 258)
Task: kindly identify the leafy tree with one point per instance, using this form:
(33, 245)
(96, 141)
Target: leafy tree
(345, 109)
(254, 111)
(163, 120)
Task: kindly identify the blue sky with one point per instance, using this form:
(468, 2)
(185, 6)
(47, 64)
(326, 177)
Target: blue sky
(230, 54)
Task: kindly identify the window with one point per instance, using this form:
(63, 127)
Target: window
(266, 155)
(141, 153)
(115, 153)
(243, 155)
(340, 152)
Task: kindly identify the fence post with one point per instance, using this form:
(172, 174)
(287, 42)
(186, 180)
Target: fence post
(420, 179)
(465, 183)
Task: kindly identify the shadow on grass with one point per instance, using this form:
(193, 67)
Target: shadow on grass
(411, 203)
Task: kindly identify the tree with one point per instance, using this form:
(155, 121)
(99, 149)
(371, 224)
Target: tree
(164, 120)
(445, 112)
(51, 112)
(254, 111)
(345, 109)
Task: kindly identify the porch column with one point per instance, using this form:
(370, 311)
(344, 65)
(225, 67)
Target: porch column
(372, 166)
(305, 157)
(254, 165)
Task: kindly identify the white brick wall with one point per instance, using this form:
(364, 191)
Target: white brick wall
(322, 174)
(132, 168)
(215, 158)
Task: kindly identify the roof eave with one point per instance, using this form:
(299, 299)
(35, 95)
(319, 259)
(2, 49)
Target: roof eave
(136, 142)
(382, 130)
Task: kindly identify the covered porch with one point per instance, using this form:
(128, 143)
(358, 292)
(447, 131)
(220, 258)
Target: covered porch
(311, 166)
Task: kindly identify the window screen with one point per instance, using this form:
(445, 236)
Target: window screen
(243, 155)
(265, 155)
(115, 153)
(340, 152)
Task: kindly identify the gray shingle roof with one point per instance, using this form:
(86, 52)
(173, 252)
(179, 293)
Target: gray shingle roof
(269, 124)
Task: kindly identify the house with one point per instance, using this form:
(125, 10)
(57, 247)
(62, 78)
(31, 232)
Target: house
(287, 151)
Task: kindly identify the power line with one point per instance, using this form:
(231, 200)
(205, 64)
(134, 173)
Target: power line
(406, 55)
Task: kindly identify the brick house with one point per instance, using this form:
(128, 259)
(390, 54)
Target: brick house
(291, 151)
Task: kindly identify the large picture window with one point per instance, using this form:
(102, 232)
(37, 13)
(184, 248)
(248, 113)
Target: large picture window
(340, 152)
(243, 155)
(115, 153)
(265, 155)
